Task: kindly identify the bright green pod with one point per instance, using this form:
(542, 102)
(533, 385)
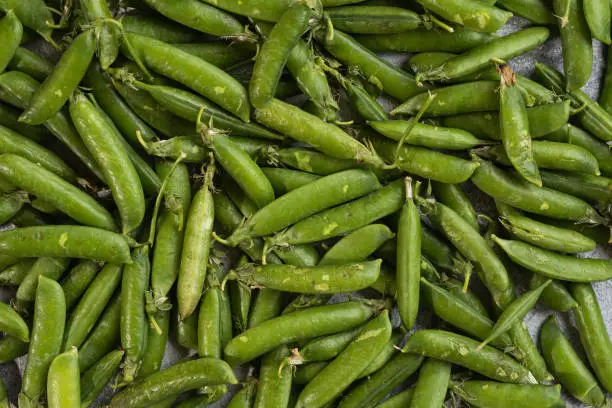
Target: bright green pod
(11, 32)
(488, 394)
(34, 14)
(473, 15)
(358, 245)
(94, 380)
(63, 383)
(373, 19)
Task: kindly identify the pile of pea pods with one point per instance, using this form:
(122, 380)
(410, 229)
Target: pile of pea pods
(207, 174)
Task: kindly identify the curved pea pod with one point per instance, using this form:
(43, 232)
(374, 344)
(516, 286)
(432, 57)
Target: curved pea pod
(34, 14)
(220, 53)
(536, 11)
(434, 380)
(77, 280)
(539, 200)
(476, 59)
(387, 353)
(586, 186)
(555, 296)
(11, 32)
(11, 203)
(57, 88)
(12, 324)
(364, 104)
(299, 255)
(425, 62)
(369, 391)
(299, 204)
(488, 394)
(358, 245)
(399, 400)
(12, 348)
(51, 268)
(556, 266)
(284, 181)
(285, 329)
(453, 196)
(542, 119)
(156, 344)
(94, 380)
(119, 172)
(63, 385)
(14, 274)
(97, 12)
(424, 40)
(275, 51)
(244, 398)
(194, 73)
(323, 348)
(310, 161)
(345, 368)
(417, 160)
(104, 337)
(159, 28)
(181, 377)
(425, 135)
(261, 9)
(46, 339)
(597, 16)
(592, 117)
(457, 312)
(30, 63)
(463, 351)
(9, 118)
(541, 234)
(91, 306)
(373, 19)
(567, 366)
(324, 137)
(344, 218)
(314, 280)
(593, 334)
(199, 16)
(467, 97)
(274, 387)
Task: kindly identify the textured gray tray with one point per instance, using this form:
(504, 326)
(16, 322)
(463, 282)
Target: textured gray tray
(549, 53)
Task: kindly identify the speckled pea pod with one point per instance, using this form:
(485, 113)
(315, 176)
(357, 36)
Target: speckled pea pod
(473, 15)
(11, 32)
(94, 380)
(260, 9)
(33, 14)
(432, 385)
(103, 338)
(156, 344)
(310, 161)
(46, 339)
(488, 394)
(274, 387)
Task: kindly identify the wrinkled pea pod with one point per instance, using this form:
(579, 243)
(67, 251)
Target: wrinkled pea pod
(473, 15)
(94, 380)
(432, 385)
(97, 12)
(373, 19)
(104, 337)
(274, 387)
(567, 366)
(489, 394)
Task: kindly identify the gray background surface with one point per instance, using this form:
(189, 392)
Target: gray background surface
(549, 53)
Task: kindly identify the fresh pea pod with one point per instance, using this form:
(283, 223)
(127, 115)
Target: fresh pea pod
(186, 331)
(474, 15)
(373, 19)
(274, 387)
(309, 160)
(488, 394)
(14, 274)
(399, 400)
(453, 196)
(556, 266)
(364, 104)
(104, 337)
(463, 351)
(4, 402)
(245, 397)
(11, 32)
(555, 296)
(63, 385)
(285, 180)
(567, 366)
(9, 118)
(27, 217)
(261, 9)
(267, 305)
(588, 187)
(209, 323)
(30, 63)
(12, 324)
(324, 348)
(51, 268)
(525, 196)
(542, 119)
(91, 306)
(12, 348)
(593, 334)
(11, 203)
(181, 377)
(34, 14)
(159, 28)
(432, 385)
(424, 40)
(541, 234)
(108, 34)
(46, 339)
(94, 380)
(386, 354)
(220, 53)
(425, 135)
(194, 73)
(305, 373)
(536, 11)
(192, 150)
(119, 172)
(345, 368)
(358, 245)
(77, 280)
(156, 344)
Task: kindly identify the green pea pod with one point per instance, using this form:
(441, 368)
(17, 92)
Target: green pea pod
(240, 297)
(12, 324)
(194, 73)
(275, 51)
(63, 385)
(555, 296)
(430, 389)
(51, 268)
(91, 306)
(199, 16)
(11, 32)
(46, 339)
(368, 108)
(605, 96)
(30, 63)
(98, 12)
(267, 305)
(324, 348)
(345, 368)
(133, 327)
(17, 89)
(209, 324)
(525, 196)
(390, 79)
(119, 172)
(556, 266)
(221, 54)
(488, 394)
(9, 118)
(333, 190)
(245, 397)
(94, 380)
(103, 338)
(298, 255)
(358, 245)
(34, 14)
(373, 19)
(196, 247)
(12, 348)
(156, 344)
(159, 28)
(515, 311)
(536, 11)
(578, 137)
(453, 196)
(388, 352)
(77, 280)
(14, 274)
(591, 188)
(464, 351)
(567, 366)
(408, 259)
(305, 373)
(186, 331)
(4, 402)
(457, 312)
(424, 40)
(310, 161)
(542, 235)
(434, 137)
(597, 16)
(181, 377)
(592, 330)
(473, 15)
(57, 88)
(285, 180)
(369, 391)
(514, 128)
(542, 119)
(504, 48)
(11, 204)
(399, 400)
(274, 387)
(344, 218)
